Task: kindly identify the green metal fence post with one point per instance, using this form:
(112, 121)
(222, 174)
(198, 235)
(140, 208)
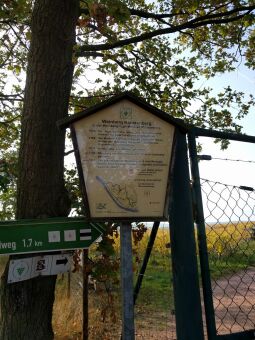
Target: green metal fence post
(204, 262)
(188, 311)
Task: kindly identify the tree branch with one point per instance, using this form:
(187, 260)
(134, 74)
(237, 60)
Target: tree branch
(93, 54)
(14, 22)
(212, 19)
(144, 14)
(68, 152)
(18, 37)
(7, 123)
(125, 68)
(11, 97)
(102, 55)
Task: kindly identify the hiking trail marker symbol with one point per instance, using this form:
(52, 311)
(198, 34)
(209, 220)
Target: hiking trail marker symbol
(27, 268)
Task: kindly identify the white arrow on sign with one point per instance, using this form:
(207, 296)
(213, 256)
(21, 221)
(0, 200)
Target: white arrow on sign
(27, 268)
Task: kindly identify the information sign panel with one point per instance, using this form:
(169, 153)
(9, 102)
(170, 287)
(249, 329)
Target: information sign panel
(35, 236)
(125, 153)
(27, 268)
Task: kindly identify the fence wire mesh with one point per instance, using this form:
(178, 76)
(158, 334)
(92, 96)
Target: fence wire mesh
(230, 230)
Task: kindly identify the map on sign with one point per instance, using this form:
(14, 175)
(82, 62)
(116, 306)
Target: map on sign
(124, 196)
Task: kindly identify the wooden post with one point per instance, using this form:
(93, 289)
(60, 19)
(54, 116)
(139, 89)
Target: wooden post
(68, 285)
(188, 309)
(128, 328)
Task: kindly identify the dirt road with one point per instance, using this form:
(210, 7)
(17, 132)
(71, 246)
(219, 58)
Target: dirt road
(234, 302)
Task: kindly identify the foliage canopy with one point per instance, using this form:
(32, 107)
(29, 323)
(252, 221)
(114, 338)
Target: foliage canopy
(159, 49)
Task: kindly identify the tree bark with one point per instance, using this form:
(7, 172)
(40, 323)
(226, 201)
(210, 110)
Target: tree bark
(26, 307)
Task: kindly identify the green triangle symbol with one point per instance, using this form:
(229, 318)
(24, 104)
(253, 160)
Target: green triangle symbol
(20, 270)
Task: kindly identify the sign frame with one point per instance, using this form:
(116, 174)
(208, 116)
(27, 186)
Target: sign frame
(176, 123)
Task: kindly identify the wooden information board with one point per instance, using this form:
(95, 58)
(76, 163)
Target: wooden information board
(125, 154)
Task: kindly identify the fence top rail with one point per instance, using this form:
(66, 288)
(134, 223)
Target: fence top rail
(200, 132)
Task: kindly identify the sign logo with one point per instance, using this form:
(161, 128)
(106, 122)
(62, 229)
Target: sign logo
(126, 113)
(54, 236)
(40, 265)
(20, 271)
(70, 235)
(85, 234)
(101, 206)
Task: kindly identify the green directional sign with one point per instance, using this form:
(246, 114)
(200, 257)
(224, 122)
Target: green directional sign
(53, 234)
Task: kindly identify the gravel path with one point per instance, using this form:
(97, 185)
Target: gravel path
(234, 302)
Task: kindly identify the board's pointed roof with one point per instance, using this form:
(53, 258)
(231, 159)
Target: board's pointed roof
(65, 123)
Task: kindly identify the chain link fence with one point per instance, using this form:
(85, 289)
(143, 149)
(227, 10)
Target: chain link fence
(230, 231)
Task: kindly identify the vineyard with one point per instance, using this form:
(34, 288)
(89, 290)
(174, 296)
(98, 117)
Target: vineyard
(231, 249)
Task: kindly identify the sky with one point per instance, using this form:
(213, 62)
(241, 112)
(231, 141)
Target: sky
(223, 200)
(236, 173)
(230, 174)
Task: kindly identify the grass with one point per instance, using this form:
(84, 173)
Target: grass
(3, 261)
(231, 248)
(157, 283)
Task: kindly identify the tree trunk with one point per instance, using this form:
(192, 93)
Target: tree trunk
(26, 307)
